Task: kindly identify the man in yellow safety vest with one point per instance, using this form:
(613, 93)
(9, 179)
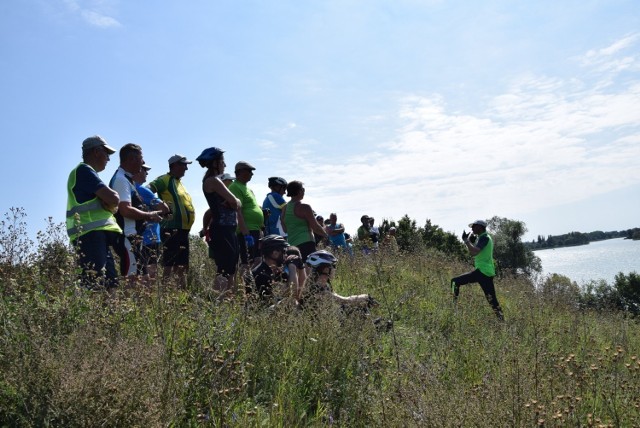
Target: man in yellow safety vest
(91, 224)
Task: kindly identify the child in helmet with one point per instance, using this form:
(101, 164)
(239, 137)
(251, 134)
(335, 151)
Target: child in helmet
(322, 265)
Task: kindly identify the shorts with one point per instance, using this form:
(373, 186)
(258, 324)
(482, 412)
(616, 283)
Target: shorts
(247, 254)
(306, 248)
(175, 247)
(224, 246)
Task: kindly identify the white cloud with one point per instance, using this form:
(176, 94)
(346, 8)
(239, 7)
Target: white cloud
(99, 20)
(98, 13)
(545, 142)
(610, 58)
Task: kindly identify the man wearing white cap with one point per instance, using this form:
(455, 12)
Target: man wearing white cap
(175, 227)
(482, 251)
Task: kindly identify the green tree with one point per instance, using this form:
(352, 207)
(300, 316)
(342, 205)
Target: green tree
(408, 235)
(560, 289)
(509, 251)
(434, 237)
(628, 289)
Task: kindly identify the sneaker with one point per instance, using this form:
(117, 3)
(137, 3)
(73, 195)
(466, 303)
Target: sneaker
(455, 289)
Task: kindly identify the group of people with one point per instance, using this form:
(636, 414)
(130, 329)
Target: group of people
(137, 222)
(276, 242)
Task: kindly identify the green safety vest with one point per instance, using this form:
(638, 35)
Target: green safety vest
(87, 216)
(484, 260)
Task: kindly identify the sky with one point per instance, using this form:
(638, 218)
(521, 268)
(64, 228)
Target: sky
(444, 110)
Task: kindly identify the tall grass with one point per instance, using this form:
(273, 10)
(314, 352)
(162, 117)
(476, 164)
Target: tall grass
(164, 356)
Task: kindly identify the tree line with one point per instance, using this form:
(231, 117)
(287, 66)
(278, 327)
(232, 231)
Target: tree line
(579, 238)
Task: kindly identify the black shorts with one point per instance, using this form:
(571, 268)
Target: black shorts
(306, 248)
(224, 246)
(175, 247)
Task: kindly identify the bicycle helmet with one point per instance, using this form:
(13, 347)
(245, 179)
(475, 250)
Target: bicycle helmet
(207, 155)
(277, 181)
(273, 242)
(321, 258)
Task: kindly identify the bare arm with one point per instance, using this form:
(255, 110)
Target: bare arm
(133, 213)
(213, 184)
(284, 226)
(206, 219)
(472, 248)
(162, 207)
(294, 288)
(338, 230)
(356, 300)
(304, 211)
(241, 224)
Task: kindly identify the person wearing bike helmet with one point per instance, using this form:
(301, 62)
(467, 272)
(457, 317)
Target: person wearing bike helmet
(323, 265)
(274, 203)
(263, 283)
(224, 207)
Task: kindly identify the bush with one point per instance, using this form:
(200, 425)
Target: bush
(628, 291)
(560, 289)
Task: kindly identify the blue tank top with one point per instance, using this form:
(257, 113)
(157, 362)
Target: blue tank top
(221, 215)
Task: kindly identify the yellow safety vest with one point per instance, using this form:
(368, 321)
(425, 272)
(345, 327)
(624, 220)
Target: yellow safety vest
(87, 216)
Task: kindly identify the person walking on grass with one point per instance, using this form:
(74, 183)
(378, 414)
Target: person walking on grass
(480, 246)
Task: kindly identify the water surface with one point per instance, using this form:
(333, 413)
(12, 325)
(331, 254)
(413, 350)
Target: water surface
(597, 260)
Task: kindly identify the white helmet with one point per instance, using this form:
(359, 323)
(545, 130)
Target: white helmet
(320, 258)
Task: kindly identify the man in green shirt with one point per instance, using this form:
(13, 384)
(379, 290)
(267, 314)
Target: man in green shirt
(482, 251)
(250, 218)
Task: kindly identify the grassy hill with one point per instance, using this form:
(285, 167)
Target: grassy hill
(163, 356)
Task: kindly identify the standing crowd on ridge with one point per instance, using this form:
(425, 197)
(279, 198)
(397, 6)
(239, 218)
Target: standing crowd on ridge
(268, 246)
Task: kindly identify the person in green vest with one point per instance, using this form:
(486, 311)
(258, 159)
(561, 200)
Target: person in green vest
(481, 248)
(91, 225)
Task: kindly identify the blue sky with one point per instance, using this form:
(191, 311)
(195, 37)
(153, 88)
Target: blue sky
(447, 110)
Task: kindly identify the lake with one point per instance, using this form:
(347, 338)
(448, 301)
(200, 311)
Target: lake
(598, 260)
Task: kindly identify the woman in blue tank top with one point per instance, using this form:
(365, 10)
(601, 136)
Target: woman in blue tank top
(222, 228)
